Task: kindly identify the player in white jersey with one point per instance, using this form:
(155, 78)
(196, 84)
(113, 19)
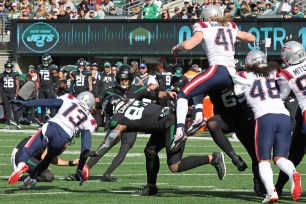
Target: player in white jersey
(293, 78)
(272, 123)
(73, 117)
(218, 36)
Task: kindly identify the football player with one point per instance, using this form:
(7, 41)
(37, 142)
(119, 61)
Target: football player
(272, 123)
(217, 36)
(291, 79)
(47, 82)
(81, 79)
(137, 116)
(232, 114)
(9, 88)
(124, 88)
(73, 117)
(35, 159)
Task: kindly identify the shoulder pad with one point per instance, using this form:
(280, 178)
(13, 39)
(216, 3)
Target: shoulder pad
(140, 88)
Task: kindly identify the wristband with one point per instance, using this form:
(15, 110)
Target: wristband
(177, 47)
(70, 163)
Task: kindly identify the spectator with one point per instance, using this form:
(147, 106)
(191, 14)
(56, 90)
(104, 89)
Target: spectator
(63, 88)
(235, 12)
(195, 8)
(32, 72)
(107, 4)
(261, 11)
(63, 15)
(165, 14)
(246, 13)
(14, 12)
(83, 6)
(36, 5)
(149, 10)
(134, 65)
(24, 3)
(295, 13)
(159, 4)
(113, 12)
(187, 5)
(74, 14)
(283, 7)
(92, 4)
(91, 15)
(41, 12)
(82, 14)
(55, 13)
(227, 12)
(99, 11)
(145, 79)
(177, 13)
(3, 19)
(184, 13)
(24, 14)
(68, 3)
(268, 9)
(255, 12)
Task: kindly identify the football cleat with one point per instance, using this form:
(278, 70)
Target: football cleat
(17, 173)
(272, 198)
(296, 189)
(178, 140)
(195, 126)
(27, 183)
(219, 164)
(146, 191)
(239, 163)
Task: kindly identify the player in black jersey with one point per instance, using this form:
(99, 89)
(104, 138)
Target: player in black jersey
(81, 78)
(9, 88)
(137, 116)
(125, 88)
(36, 158)
(47, 82)
(232, 114)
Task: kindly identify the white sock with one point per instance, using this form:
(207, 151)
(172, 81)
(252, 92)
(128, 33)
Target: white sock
(20, 165)
(287, 167)
(181, 110)
(266, 175)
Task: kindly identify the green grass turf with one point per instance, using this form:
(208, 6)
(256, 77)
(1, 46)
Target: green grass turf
(200, 185)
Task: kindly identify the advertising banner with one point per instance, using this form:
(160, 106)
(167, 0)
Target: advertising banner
(138, 37)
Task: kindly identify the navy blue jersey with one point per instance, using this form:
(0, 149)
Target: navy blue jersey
(47, 79)
(36, 154)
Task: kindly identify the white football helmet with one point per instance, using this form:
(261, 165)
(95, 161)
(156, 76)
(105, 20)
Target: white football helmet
(293, 53)
(210, 11)
(256, 57)
(87, 99)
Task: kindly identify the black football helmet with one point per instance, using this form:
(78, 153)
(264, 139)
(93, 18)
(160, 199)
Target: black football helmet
(111, 104)
(46, 59)
(124, 72)
(81, 62)
(8, 66)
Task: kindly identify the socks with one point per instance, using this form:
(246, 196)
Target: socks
(286, 166)
(181, 110)
(192, 162)
(266, 175)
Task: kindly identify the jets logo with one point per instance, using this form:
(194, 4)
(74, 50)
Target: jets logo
(40, 37)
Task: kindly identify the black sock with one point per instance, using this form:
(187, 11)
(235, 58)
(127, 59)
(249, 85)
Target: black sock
(192, 162)
(222, 141)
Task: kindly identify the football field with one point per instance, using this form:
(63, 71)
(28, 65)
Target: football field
(200, 185)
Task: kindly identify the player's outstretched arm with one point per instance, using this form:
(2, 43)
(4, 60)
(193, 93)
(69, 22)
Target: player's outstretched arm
(245, 37)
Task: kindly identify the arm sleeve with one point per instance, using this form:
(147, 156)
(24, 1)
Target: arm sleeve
(52, 103)
(86, 145)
